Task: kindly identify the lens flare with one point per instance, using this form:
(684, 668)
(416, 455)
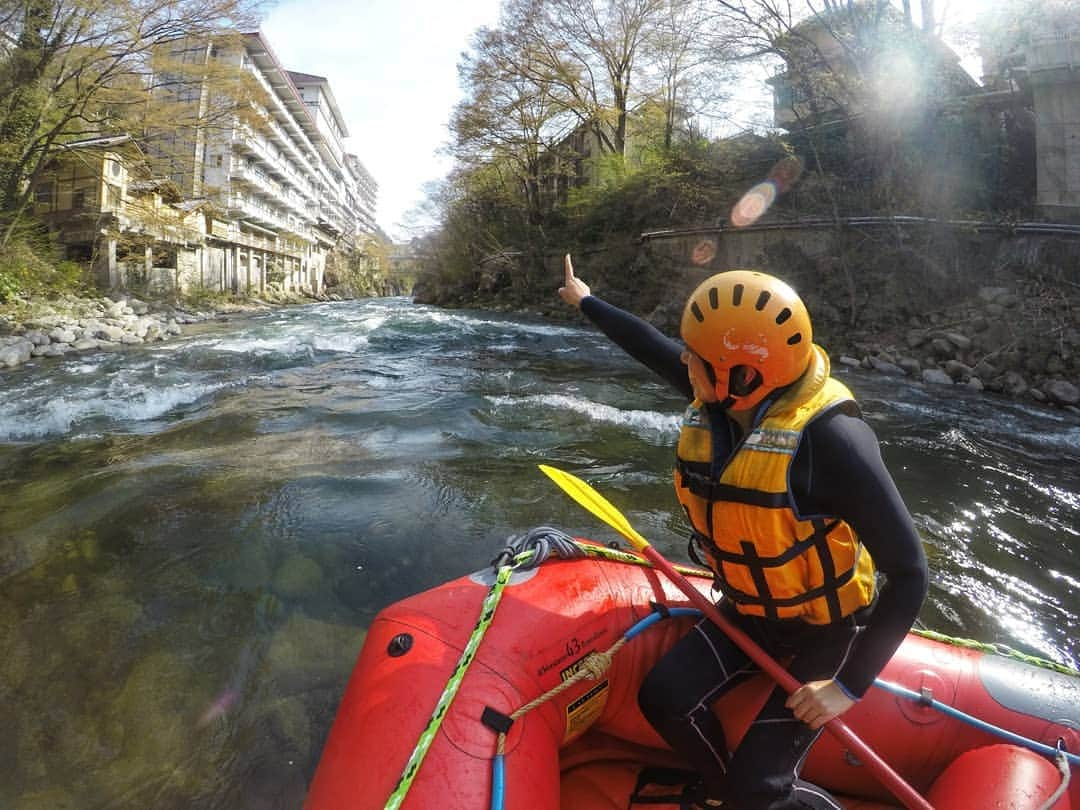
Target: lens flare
(786, 173)
(219, 708)
(753, 204)
(703, 252)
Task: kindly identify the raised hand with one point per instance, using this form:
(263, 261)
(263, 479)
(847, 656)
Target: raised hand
(573, 289)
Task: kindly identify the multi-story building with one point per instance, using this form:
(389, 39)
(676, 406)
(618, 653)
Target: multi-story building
(364, 191)
(98, 195)
(274, 166)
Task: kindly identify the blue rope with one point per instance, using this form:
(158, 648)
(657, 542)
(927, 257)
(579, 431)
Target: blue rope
(498, 783)
(498, 765)
(944, 708)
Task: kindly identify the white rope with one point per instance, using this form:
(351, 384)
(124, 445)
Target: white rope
(1062, 763)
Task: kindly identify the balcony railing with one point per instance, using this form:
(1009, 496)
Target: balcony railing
(1058, 50)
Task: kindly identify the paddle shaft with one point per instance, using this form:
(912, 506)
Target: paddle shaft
(607, 512)
(886, 775)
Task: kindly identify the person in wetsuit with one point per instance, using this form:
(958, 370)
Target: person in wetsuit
(791, 506)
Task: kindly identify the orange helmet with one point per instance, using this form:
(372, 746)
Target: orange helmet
(753, 333)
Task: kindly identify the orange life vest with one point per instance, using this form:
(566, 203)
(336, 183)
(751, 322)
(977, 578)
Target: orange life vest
(769, 560)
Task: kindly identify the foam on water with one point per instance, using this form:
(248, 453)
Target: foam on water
(118, 402)
(657, 427)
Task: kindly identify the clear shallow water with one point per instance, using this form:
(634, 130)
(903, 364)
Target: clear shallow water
(194, 535)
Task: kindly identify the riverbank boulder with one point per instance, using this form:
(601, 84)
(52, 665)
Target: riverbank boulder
(995, 341)
(45, 329)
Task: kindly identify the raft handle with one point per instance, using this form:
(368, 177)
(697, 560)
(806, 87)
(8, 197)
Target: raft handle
(399, 645)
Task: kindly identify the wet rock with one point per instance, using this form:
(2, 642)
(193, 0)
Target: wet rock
(846, 360)
(885, 367)
(935, 376)
(15, 662)
(15, 353)
(984, 369)
(152, 714)
(942, 347)
(109, 332)
(289, 721)
(62, 335)
(975, 384)
(1061, 392)
(915, 338)
(911, 366)
(307, 654)
(957, 370)
(960, 341)
(991, 294)
(47, 799)
(298, 576)
(1014, 384)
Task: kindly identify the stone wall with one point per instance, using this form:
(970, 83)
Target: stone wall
(948, 303)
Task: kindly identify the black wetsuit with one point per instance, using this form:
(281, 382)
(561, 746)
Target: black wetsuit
(837, 471)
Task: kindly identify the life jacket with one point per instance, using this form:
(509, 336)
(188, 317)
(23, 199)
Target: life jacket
(768, 559)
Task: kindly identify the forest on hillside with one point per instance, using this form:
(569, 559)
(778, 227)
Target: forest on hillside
(588, 122)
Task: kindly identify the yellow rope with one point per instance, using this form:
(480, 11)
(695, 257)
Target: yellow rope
(593, 667)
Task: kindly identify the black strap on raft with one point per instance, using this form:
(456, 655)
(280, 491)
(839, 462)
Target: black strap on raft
(667, 786)
(497, 721)
(661, 608)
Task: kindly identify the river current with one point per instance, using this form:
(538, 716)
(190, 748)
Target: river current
(194, 535)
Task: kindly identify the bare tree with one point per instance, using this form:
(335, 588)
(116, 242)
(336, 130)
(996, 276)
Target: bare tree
(586, 52)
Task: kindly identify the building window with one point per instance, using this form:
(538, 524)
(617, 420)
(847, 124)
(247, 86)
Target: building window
(114, 167)
(44, 193)
(78, 199)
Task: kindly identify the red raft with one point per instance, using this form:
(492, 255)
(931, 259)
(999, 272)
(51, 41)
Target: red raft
(589, 748)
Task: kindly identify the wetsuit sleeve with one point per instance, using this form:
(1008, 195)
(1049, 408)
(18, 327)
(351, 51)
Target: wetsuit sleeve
(641, 340)
(849, 480)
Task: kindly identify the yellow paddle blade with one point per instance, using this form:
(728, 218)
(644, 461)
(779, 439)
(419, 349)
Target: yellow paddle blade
(595, 503)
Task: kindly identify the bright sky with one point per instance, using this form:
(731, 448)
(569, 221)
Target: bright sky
(392, 66)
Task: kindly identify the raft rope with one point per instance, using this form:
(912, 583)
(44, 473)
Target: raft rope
(1003, 650)
(982, 725)
(1062, 762)
(487, 613)
(593, 667)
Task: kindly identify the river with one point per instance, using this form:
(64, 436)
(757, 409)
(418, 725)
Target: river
(195, 534)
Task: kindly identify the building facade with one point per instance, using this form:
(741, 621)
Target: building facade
(263, 172)
(1050, 67)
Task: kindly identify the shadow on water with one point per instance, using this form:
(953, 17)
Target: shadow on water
(185, 588)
